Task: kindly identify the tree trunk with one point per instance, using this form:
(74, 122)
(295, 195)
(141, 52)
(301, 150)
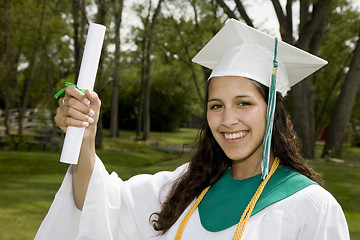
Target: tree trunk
(226, 9)
(243, 13)
(285, 21)
(146, 123)
(344, 105)
(240, 8)
(144, 105)
(302, 115)
(31, 71)
(321, 119)
(75, 11)
(311, 29)
(114, 122)
(11, 93)
(7, 62)
(79, 11)
(139, 128)
(50, 82)
(101, 16)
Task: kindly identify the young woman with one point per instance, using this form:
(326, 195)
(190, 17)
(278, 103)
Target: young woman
(247, 180)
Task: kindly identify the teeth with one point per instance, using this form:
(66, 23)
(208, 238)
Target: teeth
(234, 135)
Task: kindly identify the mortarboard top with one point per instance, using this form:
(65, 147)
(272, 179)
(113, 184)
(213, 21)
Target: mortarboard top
(240, 50)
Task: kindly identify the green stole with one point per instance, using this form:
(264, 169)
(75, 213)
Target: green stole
(227, 199)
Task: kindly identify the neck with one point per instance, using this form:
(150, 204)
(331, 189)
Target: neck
(245, 169)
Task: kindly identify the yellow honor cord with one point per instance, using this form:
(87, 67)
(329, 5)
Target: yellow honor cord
(188, 215)
(246, 214)
(248, 210)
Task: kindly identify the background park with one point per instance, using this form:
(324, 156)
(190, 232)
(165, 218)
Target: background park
(153, 95)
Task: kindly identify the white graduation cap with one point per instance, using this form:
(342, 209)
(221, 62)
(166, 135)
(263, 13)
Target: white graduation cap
(240, 50)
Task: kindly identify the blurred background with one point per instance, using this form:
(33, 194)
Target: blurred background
(153, 95)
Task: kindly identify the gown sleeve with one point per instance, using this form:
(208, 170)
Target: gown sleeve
(113, 209)
(321, 217)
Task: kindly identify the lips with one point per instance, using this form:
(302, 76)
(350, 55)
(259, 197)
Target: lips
(235, 135)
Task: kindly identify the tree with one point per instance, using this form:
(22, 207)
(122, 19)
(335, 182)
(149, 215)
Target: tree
(340, 35)
(310, 37)
(343, 108)
(31, 69)
(182, 38)
(36, 31)
(79, 22)
(101, 83)
(117, 6)
(146, 46)
(10, 59)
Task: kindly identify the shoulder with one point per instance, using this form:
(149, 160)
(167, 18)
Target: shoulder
(301, 194)
(315, 196)
(311, 200)
(310, 213)
(159, 176)
(320, 215)
(314, 205)
(159, 183)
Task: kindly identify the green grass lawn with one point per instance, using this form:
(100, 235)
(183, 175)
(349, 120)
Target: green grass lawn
(29, 180)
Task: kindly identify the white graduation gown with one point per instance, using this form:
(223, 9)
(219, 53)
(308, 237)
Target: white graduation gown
(120, 210)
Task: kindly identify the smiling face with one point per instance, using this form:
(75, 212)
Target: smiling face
(236, 114)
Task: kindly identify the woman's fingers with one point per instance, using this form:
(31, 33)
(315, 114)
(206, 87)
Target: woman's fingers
(74, 99)
(64, 122)
(77, 109)
(93, 99)
(74, 92)
(75, 104)
(71, 107)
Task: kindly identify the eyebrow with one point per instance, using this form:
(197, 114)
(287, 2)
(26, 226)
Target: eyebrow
(240, 96)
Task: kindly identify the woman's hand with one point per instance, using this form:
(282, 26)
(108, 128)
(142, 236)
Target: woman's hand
(78, 110)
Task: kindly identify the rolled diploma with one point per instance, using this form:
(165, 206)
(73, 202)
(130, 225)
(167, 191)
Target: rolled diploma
(86, 80)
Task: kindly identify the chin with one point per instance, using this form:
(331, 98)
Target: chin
(237, 156)
(244, 154)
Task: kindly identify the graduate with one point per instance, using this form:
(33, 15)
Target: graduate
(246, 181)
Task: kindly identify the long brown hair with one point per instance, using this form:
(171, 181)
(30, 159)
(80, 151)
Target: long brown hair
(210, 162)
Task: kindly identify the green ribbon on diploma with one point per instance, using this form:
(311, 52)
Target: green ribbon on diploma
(63, 90)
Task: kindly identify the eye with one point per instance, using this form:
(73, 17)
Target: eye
(244, 104)
(215, 106)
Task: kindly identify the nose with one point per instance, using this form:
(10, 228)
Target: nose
(229, 117)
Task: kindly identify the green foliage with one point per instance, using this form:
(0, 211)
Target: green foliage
(36, 31)
(183, 27)
(175, 98)
(340, 36)
(170, 99)
(178, 87)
